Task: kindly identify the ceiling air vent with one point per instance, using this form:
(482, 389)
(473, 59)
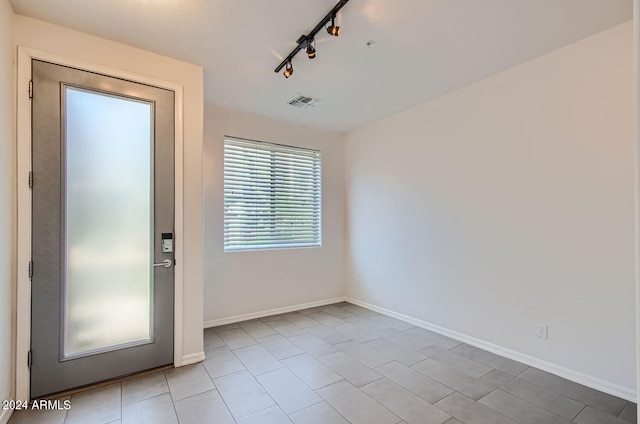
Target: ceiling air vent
(303, 102)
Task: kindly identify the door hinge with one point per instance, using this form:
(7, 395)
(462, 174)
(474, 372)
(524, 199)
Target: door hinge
(31, 89)
(30, 270)
(30, 179)
(29, 359)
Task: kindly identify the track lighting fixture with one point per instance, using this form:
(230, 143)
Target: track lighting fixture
(288, 70)
(333, 29)
(311, 51)
(308, 41)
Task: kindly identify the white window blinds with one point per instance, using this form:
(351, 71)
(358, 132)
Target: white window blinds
(272, 196)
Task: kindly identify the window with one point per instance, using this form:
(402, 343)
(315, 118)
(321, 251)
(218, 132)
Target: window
(271, 196)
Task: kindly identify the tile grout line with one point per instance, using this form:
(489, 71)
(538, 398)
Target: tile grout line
(488, 407)
(529, 403)
(222, 399)
(250, 373)
(532, 383)
(343, 379)
(579, 412)
(260, 384)
(351, 330)
(477, 379)
(173, 403)
(625, 407)
(265, 389)
(494, 388)
(315, 391)
(381, 377)
(455, 369)
(357, 388)
(122, 401)
(567, 395)
(539, 406)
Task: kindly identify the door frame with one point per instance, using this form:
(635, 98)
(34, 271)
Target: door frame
(23, 167)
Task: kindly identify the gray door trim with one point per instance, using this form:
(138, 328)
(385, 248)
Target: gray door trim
(45, 377)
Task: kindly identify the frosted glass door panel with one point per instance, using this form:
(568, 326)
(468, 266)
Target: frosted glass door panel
(108, 222)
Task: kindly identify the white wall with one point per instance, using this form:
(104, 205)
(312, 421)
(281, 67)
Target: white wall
(6, 200)
(79, 46)
(238, 283)
(509, 203)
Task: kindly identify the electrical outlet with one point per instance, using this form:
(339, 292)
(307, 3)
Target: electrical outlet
(541, 331)
(357, 283)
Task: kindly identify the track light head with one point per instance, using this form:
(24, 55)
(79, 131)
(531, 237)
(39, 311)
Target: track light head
(311, 51)
(288, 70)
(333, 29)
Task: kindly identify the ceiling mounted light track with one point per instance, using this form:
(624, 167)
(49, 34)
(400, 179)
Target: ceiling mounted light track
(307, 41)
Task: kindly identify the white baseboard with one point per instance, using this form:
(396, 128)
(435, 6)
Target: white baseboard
(261, 314)
(569, 374)
(193, 358)
(5, 415)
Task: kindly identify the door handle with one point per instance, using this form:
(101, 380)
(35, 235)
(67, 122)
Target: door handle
(165, 264)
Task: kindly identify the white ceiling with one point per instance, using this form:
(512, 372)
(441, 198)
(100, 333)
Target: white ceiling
(423, 48)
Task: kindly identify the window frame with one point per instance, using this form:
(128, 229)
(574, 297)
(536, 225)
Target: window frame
(279, 157)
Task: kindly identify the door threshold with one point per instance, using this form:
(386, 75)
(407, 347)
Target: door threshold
(104, 383)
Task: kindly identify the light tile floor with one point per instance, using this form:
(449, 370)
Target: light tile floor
(340, 364)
